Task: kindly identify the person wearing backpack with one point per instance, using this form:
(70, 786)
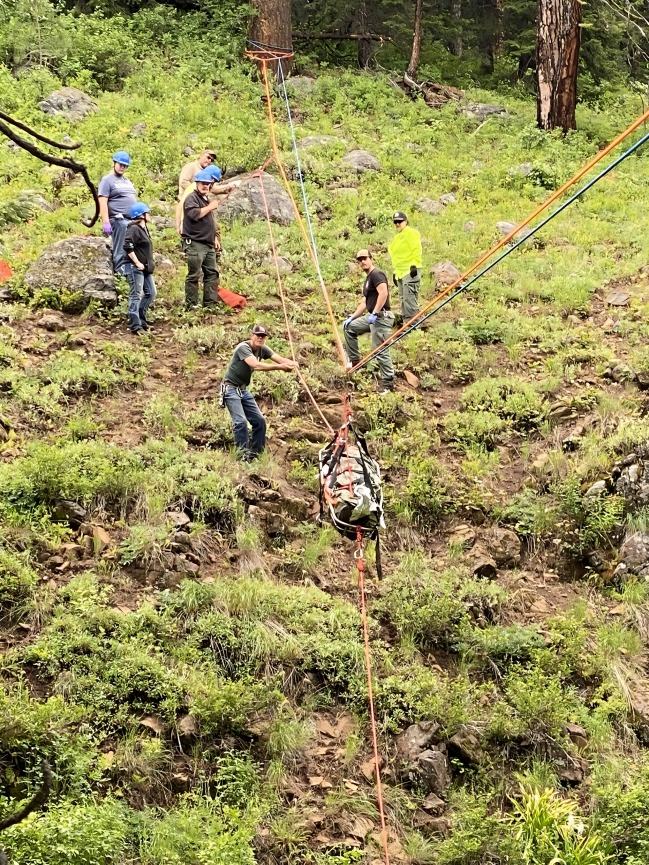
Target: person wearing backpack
(248, 356)
(139, 267)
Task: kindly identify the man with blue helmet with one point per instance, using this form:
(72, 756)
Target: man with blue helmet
(116, 197)
(200, 242)
(139, 268)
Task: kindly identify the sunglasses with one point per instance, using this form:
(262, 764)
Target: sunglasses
(363, 258)
(398, 221)
(211, 158)
(261, 335)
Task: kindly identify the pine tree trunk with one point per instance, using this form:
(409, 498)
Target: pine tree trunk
(557, 61)
(456, 42)
(271, 26)
(364, 49)
(415, 54)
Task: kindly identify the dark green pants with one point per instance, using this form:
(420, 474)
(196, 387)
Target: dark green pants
(201, 258)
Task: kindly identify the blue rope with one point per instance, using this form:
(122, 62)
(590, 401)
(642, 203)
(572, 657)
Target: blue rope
(280, 74)
(511, 249)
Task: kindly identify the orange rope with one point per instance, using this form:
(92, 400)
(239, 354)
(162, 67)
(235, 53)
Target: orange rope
(298, 215)
(360, 567)
(280, 286)
(446, 291)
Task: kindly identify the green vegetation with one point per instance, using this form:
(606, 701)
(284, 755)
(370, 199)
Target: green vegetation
(179, 639)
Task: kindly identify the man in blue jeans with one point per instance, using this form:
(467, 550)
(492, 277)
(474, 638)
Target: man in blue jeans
(116, 197)
(247, 357)
(139, 268)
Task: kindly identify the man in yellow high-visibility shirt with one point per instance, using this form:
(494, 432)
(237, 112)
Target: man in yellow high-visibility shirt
(405, 254)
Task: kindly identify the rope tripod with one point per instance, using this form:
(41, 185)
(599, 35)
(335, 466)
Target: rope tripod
(263, 55)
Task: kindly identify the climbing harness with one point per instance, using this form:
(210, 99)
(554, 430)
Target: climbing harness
(460, 285)
(350, 480)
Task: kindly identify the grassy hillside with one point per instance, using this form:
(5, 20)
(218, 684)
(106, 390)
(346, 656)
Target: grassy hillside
(189, 656)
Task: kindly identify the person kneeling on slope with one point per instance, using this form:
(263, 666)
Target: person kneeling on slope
(372, 315)
(139, 268)
(248, 356)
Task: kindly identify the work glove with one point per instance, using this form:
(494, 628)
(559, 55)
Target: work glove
(371, 318)
(395, 280)
(413, 271)
(347, 321)
(107, 228)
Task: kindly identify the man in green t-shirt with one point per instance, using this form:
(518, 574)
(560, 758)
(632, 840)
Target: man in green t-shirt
(247, 357)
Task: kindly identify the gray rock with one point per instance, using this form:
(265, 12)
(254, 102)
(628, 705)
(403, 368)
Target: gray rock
(283, 264)
(507, 227)
(621, 372)
(416, 739)
(70, 512)
(445, 273)
(596, 490)
(429, 205)
(468, 226)
(522, 170)
(246, 202)
(505, 547)
(188, 152)
(463, 537)
(35, 201)
(163, 222)
(482, 110)
(319, 141)
(634, 552)
(138, 130)
(618, 298)
(163, 264)
(466, 747)
(448, 198)
(80, 265)
(482, 564)
(431, 770)
(362, 161)
(68, 102)
(51, 321)
(300, 84)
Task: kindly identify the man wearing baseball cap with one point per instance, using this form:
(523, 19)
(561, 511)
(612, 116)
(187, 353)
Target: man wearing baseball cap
(249, 356)
(405, 254)
(189, 171)
(372, 315)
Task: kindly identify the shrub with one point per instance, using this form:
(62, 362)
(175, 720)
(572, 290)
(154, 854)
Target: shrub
(474, 428)
(17, 583)
(71, 833)
(511, 399)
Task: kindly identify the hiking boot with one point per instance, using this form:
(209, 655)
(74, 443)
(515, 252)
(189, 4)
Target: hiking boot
(385, 387)
(139, 332)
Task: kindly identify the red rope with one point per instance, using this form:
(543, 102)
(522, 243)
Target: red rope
(360, 567)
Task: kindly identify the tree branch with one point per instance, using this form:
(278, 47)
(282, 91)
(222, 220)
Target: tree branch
(67, 162)
(369, 37)
(37, 801)
(37, 135)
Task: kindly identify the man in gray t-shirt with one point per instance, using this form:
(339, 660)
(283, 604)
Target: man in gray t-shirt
(247, 357)
(116, 197)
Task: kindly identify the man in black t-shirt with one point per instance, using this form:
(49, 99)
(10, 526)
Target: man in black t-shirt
(372, 315)
(247, 357)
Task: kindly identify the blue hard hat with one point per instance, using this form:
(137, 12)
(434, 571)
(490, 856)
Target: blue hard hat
(122, 157)
(205, 176)
(138, 210)
(216, 172)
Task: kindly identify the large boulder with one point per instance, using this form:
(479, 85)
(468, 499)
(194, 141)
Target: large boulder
(362, 161)
(481, 110)
(445, 273)
(319, 141)
(68, 102)
(246, 201)
(78, 265)
(635, 552)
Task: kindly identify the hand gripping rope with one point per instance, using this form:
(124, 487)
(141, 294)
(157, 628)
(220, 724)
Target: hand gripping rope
(459, 285)
(265, 54)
